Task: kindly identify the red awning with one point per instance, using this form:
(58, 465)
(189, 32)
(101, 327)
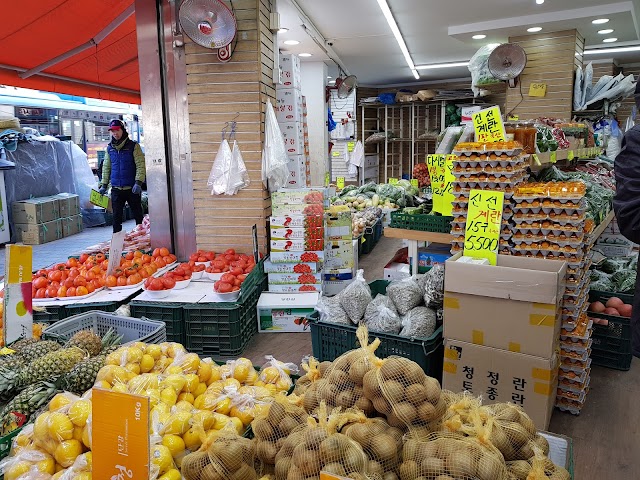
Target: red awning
(31, 35)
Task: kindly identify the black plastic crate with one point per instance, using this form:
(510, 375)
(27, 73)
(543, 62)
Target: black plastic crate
(50, 315)
(109, 307)
(369, 239)
(330, 340)
(222, 329)
(611, 343)
(172, 314)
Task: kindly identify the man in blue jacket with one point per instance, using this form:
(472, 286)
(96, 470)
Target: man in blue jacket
(626, 204)
(124, 167)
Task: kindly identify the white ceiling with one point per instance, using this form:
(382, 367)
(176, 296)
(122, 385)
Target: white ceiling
(439, 31)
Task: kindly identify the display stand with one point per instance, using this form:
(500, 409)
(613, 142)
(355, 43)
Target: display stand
(414, 237)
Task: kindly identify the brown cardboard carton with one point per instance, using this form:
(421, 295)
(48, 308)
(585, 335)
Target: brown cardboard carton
(71, 225)
(502, 376)
(35, 210)
(37, 234)
(69, 204)
(513, 306)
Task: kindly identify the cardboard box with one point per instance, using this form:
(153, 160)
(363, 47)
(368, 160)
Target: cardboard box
(299, 245)
(294, 278)
(270, 267)
(370, 161)
(295, 288)
(300, 196)
(297, 172)
(502, 376)
(397, 271)
(279, 312)
(434, 254)
(37, 234)
(290, 71)
(288, 105)
(71, 225)
(512, 306)
(302, 209)
(297, 221)
(339, 254)
(297, 233)
(35, 210)
(333, 288)
(296, 257)
(293, 138)
(339, 226)
(69, 204)
(332, 275)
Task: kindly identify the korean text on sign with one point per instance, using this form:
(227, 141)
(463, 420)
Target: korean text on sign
(436, 165)
(488, 125)
(484, 222)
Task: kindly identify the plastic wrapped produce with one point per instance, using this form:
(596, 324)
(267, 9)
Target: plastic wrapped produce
(381, 316)
(419, 322)
(434, 287)
(356, 297)
(405, 294)
(479, 68)
(331, 311)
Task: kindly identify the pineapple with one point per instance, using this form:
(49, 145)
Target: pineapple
(19, 345)
(82, 377)
(11, 362)
(24, 405)
(87, 341)
(39, 350)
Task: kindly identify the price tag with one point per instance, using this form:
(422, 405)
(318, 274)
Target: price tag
(393, 181)
(570, 155)
(362, 239)
(488, 125)
(115, 251)
(414, 183)
(17, 313)
(98, 200)
(538, 90)
(436, 165)
(340, 183)
(123, 439)
(484, 222)
(553, 156)
(351, 146)
(513, 118)
(447, 192)
(336, 153)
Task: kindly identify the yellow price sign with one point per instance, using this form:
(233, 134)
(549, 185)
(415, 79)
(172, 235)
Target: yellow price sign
(351, 146)
(123, 439)
(340, 183)
(99, 200)
(538, 90)
(17, 311)
(513, 118)
(488, 125)
(393, 181)
(484, 223)
(436, 165)
(336, 153)
(553, 156)
(447, 189)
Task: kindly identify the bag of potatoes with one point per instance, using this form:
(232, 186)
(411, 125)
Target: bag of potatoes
(318, 446)
(225, 456)
(449, 456)
(274, 425)
(539, 467)
(341, 384)
(313, 372)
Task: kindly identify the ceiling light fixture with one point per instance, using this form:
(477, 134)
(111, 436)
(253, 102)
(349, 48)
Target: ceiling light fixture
(606, 31)
(329, 76)
(539, 2)
(479, 37)
(534, 29)
(610, 40)
(600, 21)
(291, 42)
(384, 6)
(442, 65)
(283, 30)
(304, 54)
(598, 51)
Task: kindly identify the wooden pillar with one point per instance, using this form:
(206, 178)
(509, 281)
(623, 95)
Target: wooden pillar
(223, 92)
(551, 59)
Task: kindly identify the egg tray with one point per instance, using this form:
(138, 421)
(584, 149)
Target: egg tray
(576, 399)
(554, 244)
(561, 220)
(573, 375)
(575, 289)
(549, 211)
(506, 251)
(570, 320)
(495, 165)
(574, 308)
(573, 410)
(570, 256)
(569, 364)
(582, 331)
(463, 189)
(463, 175)
(539, 255)
(547, 202)
(456, 248)
(570, 299)
(485, 149)
(548, 229)
(569, 197)
(567, 385)
(574, 355)
(580, 346)
(477, 183)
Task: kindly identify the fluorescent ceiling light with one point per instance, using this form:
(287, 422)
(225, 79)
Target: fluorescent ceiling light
(329, 76)
(304, 54)
(610, 40)
(442, 65)
(539, 2)
(600, 21)
(283, 30)
(598, 51)
(291, 42)
(534, 29)
(479, 37)
(384, 6)
(606, 31)
(332, 81)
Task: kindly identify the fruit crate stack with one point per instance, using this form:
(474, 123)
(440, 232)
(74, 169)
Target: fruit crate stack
(611, 331)
(498, 166)
(550, 223)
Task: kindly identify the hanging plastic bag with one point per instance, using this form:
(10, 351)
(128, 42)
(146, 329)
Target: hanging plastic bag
(577, 89)
(220, 172)
(356, 159)
(479, 68)
(275, 170)
(239, 176)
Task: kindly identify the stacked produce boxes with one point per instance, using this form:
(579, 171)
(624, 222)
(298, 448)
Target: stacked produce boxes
(340, 251)
(45, 219)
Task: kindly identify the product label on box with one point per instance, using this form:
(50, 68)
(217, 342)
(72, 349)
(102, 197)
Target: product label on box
(284, 320)
(339, 254)
(303, 196)
(484, 223)
(276, 288)
(297, 221)
(299, 245)
(270, 267)
(296, 257)
(294, 278)
(302, 209)
(297, 233)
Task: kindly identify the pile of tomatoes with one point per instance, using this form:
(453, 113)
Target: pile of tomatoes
(229, 283)
(230, 261)
(135, 267)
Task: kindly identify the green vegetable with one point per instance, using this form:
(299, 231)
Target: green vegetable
(375, 200)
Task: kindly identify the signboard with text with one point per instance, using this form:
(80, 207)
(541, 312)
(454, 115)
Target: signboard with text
(484, 222)
(488, 125)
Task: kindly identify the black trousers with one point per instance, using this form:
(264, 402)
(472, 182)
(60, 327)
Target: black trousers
(119, 197)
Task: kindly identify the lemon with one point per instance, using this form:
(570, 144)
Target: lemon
(240, 373)
(198, 402)
(169, 396)
(67, 452)
(283, 384)
(154, 396)
(190, 363)
(147, 363)
(192, 439)
(172, 474)
(59, 401)
(204, 371)
(120, 388)
(175, 444)
(79, 412)
(174, 381)
(220, 421)
(17, 469)
(114, 358)
(204, 419)
(23, 440)
(202, 387)
(48, 465)
(174, 370)
(232, 382)
(215, 388)
(60, 427)
(178, 423)
(119, 375)
(160, 408)
(154, 351)
(270, 375)
(184, 406)
(134, 355)
(58, 474)
(216, 374)
(102, 384)
(191, 383)
(223, 406)
(88, 457)
(244, 415)
(86, 436)
(77, 433)
(133, 368)
(143, 382)
(41, 426)
(82, 476)
(141, 345)
(240, 428)
(161, 457)
(252, 378)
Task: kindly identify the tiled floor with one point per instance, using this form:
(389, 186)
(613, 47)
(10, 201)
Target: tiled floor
(58, 251)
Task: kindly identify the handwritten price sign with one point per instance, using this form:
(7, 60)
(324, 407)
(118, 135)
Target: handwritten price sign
(488, 125)
(449, 179)
(436, 165)
(538, 90)
(484, 222)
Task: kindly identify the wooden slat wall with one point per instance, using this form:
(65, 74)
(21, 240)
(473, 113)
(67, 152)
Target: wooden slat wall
(217, 93)
(551, 59)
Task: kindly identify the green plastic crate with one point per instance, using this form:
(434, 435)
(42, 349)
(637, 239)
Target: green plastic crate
(172, 314)
(611, 343)
(255, 277)
(222, 329)
(423, 223)
(330, 340)
(6, 441)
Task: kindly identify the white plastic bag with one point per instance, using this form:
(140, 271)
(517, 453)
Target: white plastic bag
(479, 68)
(356, 159)
(239, 175)
(219, 176)
(275, 172)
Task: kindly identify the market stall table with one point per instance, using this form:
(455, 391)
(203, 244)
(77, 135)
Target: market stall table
(414, 237)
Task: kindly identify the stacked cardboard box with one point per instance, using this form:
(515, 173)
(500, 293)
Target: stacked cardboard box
(45, 219)
(341, 252)
(305, 135)
(502, 328)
